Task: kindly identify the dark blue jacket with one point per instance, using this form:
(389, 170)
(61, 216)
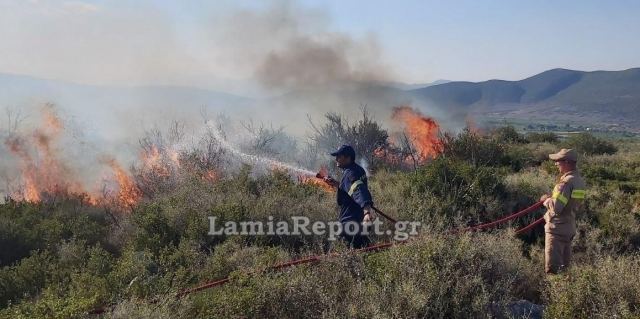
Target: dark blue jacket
(353, 194)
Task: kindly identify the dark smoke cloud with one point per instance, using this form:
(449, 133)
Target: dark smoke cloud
(306, 62)
(293, 48)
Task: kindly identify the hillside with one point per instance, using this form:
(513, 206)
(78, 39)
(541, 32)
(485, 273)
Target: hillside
(20, 90)
(558, 94)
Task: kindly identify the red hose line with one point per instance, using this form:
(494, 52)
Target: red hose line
(281, 266)
(503, 220)
(203, 287)
(530, 226)
(373, 248)
(389, 218)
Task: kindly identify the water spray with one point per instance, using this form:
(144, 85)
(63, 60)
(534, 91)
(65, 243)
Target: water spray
(217, 134)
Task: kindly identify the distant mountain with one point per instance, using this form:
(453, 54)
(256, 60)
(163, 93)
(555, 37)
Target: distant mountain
(605, 98)
(413, 86)
(18, 90)
(555, 95)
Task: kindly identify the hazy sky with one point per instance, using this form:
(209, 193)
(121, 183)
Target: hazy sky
(204, 43)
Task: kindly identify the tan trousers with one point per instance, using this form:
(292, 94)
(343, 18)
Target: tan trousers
(557, 252)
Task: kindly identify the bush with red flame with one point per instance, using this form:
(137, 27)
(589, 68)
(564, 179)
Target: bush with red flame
(319, 180)
(420, 131)
(45, 173)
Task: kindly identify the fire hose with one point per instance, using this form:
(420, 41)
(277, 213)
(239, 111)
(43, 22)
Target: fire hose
(389, 218)
(506, 219)
(378, 247)
(372, 248)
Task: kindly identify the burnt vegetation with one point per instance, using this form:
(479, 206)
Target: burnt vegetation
(65, 257)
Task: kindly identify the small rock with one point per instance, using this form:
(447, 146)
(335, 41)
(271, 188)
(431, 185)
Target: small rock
(524, 309)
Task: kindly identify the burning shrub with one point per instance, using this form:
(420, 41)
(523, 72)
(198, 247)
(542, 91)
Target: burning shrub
(165, 165)
(418, 142)
(42, 168)
(158, 170)
(206, 160)
(49, 174)
(421, 133)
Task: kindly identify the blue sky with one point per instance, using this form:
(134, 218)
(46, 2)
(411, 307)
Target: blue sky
(476, 40)
(184, 42)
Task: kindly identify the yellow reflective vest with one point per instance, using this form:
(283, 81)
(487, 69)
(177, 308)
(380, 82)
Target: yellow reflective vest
(566, 201)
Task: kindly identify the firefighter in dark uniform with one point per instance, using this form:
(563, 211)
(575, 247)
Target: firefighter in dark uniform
(353, 197)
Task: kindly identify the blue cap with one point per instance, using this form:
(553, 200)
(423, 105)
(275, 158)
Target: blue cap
(345, 150)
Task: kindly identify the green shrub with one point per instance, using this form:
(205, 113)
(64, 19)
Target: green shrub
(473, 148)
(608, 289)
(25, 227)
(617, 172)
(525, 188)
(620, 223)
(165, 307)
(508, 134)
(462, 189)
(421, 279)
(540, 152)
(502, 148)
(588, 144)
(24, 279)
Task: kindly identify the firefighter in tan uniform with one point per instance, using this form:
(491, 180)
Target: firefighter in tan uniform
(562, 206)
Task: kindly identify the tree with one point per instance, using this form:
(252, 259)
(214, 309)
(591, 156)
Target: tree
(366, 136)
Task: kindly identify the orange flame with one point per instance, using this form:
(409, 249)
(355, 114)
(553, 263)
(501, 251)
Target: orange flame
(128, 193)
(421, 130)
(174, 156)
(42, 171)
(211, 176)
(391, 157)
(161, 162)
(28, 169)
(312, 180)
(318, 180)
(472, 126)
